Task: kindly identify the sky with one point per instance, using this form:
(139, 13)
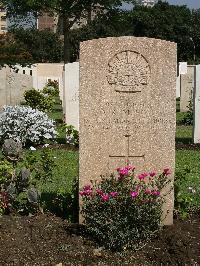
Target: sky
(190, 3)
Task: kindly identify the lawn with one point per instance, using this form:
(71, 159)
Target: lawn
(187, 161)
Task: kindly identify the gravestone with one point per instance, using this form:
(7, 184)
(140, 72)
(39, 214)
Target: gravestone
(182, 70)
(187, 85)
(196, 106)
(12, 87)
(127, 107)
(71, 94)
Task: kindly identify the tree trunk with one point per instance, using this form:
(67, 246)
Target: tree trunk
(89, 14)
(66, 32)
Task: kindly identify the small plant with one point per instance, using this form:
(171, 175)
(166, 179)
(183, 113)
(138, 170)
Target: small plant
(125, 211)
(26, 125)
(188, 118)
(53, 83)
(20, 179)
(72, 135)
(39, 100)
(187, 193)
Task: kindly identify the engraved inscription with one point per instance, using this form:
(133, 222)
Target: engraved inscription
(129, 71)
(129, 158)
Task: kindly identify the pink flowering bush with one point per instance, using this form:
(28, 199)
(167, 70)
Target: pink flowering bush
(123, 211)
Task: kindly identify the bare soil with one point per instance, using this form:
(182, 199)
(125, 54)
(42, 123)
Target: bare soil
(48, 240)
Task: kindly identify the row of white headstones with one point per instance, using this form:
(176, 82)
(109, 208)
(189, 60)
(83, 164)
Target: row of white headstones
(188, 89)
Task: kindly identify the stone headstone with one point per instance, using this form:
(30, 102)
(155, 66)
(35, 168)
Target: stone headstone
(181, 71)
(127, 107)
(178, 86)
(182, 68)
(196, 106)
(187, 85)
(71, 94)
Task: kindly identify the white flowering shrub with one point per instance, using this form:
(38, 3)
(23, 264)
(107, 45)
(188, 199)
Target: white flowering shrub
(26, 125)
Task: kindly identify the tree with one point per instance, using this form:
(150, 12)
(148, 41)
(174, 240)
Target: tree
(71, 11)
(163, 21)
(12, 52)
(44, 45)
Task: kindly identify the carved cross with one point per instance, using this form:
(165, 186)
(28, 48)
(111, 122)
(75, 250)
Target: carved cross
(128, 156)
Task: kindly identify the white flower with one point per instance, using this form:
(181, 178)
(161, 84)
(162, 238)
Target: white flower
(32, 148)
(25, 124)
(46, 145)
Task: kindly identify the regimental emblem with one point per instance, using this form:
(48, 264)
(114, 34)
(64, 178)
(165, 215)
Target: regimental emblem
(129, 71)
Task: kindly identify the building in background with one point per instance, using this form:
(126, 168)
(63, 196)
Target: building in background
(148, 3)
(45, 21)
(3, 20)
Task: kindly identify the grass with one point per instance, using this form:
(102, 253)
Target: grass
(184, 134)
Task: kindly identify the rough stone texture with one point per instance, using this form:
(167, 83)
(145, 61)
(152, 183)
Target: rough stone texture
(127, 107)
(196, 106)
(13, 86)
(187, 85)
(71, 94)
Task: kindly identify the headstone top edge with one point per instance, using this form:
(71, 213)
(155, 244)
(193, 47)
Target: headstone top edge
(126, 38)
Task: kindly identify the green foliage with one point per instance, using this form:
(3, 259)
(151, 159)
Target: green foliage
(20, 181)
(69, 12)
(38, 100)
(187, 192)
(124, 212)
(69, 133)
(72, 135)
(188, 118)
(52, 88)
(42, 45)
(13, 52)
(42, 167)
(163, 21)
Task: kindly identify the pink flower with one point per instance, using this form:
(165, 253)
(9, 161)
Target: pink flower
(99, 192)
(122, 171)
(155, 193)
(87, 187)
(148, 191)
(113, 194)
(142, 176)
(82, 193)
(152, 173)
(134, 194)
(166, 171)
(130, 167)
(105, 197)
(87, 191)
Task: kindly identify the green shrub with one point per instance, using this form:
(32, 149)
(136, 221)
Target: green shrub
(51, 88)
(188, 117)
(20, 179)
(187, 192)
(38, 100)
(51, 91)
(124, 212)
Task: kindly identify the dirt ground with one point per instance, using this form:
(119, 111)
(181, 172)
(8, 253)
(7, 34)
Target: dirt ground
(48, 240)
